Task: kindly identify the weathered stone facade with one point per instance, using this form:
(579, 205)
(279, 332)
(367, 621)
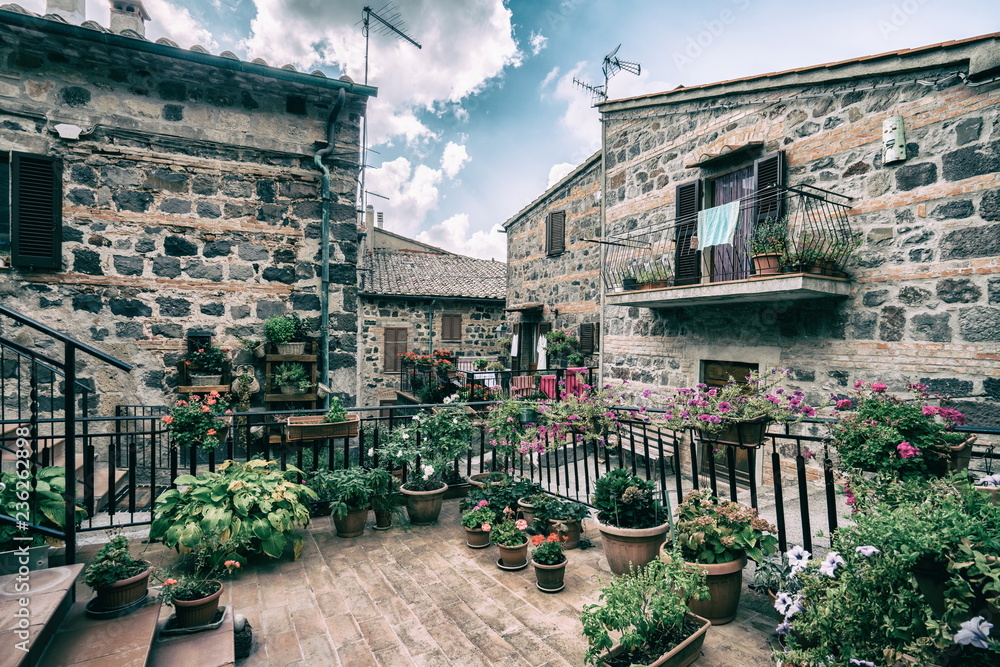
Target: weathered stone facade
(191, 203)
(568, 282)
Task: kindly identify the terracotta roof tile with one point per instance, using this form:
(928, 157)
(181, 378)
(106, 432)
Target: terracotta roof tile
(431, 274)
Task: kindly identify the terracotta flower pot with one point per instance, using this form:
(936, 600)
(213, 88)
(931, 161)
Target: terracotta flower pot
(477, 538)
(725, 585)
(549, 578)
(684, 653)
(514, 556)
(424, 507)
(351, 524)
(124, 592)
(631, 546)
(767, 264)
(192, 613)
(571, 532)
(527, 511)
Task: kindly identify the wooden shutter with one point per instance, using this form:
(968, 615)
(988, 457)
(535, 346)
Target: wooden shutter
(393, 345)
(587, 345)
(36, 211)
(4, 201)
(769, 173)
(555, 233)
(687, 203)
(451, 327)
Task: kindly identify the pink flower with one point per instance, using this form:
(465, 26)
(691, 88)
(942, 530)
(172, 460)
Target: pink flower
(481, 504)
(907, 451)
(929, 410)
(879, 387)
(521, 524)
(485, 527)
(724, 407)
(859, 384)
(844, 404)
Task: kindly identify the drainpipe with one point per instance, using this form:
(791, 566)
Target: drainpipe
(430, 326)
(324, 301)
(603, 257)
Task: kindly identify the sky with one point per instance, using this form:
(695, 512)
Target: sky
(473, 126)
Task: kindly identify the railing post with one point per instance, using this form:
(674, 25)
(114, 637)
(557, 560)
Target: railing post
(69, 436)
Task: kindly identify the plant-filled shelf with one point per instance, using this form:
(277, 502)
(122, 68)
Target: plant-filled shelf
(203, 389)
(282, 398)
(301, 358)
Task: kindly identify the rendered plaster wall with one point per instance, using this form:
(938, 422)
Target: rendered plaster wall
(925, 292)
(191, 206)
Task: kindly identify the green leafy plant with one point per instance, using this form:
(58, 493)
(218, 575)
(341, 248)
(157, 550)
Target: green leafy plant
(709, 530)
(346, 490)
(504, 343)
(548, 550)
(480, 364)
(502, 496)
(770, 236)
(495, 366)
(483, 514)
(427, 444)
(336, 412)
(574, 359)
(198, 421)
(209, 359)
(280, 329)
(241, 508)
(560, 342)
(776, 572)
(47, 508)
(549, 507)
(112, 563)
(509, 532)
(625, 500)
(475, 393)
(187, 589)
(292, 374)
(647, 608)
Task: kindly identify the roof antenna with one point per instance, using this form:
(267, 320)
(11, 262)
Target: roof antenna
(610, 66)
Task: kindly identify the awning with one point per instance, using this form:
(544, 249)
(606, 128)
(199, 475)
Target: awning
(524, 307)
(725, 153)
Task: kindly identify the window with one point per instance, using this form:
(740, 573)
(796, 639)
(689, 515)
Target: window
(451, 327)
(717, 373)
(394, 344)
(555, 233)
(31, 223)
(590, 338)
(757, 186)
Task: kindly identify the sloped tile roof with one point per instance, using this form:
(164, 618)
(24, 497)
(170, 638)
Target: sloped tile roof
(432, 274)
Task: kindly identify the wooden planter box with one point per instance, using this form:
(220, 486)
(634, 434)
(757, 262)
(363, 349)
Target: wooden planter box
(312, 427)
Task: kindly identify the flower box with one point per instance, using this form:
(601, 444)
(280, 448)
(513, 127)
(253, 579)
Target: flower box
(681, 655)
(312, 427)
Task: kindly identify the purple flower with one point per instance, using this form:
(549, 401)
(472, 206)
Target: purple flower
(782, 602)
(975, 631)
(830, 565)
(867, 552)
(785, 628)
(724, 407)
(844, 404)
(907, 451)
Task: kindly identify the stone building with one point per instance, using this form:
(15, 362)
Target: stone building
(898, 154)
(554, 265)
(160, 193)
(418, 298)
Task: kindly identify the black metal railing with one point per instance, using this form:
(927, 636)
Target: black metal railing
(805, 229)
(550, 383)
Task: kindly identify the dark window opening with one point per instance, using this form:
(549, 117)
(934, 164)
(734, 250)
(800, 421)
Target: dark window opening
(555, 233)
(295, 104)
(717, 373)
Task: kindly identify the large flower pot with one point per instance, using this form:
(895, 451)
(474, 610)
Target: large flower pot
(625, 547)
(477, 538)
(192, 613)
(124, 592)
(480, 480)
(527, 511)
(725, 584)
(514, 557)
(951, 458)
(744, 432)
(684, 653)
(291, 348)
(424, 507)
(351, 524)
(549, 578)
(571, 530)
(767, 264)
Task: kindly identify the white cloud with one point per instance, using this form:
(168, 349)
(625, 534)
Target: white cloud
(453, 234)
(412, 192)
(580, 119)
(453, 159)
(558, 171)
(549, 78)
(538, 42)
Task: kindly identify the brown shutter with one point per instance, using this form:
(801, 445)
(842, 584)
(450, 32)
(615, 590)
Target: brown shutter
(36, 211)
(555, 233)
(394, 344)
(451, 327)
(587, 338)
(687, 203)
(769, 174)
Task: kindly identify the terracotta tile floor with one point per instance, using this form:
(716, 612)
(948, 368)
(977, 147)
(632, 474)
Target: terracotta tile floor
(421, 597)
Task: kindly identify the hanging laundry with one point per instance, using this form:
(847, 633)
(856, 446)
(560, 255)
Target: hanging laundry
(717, 225)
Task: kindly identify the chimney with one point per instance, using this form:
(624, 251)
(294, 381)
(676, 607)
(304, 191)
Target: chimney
(128, 15)
(74, 11)
(370, 229)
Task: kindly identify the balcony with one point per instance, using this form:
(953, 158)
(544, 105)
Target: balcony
(786, 244)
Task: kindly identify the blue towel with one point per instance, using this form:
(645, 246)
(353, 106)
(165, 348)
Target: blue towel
(717, 225)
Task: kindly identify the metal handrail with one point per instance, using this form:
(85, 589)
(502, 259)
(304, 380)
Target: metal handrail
(68, 340)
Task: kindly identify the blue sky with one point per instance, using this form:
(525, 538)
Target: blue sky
(476, 124)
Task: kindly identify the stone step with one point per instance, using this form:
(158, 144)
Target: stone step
(212, 648)
(49, 594)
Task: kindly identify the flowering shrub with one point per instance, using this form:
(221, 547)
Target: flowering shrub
(474, 393)
(709, 530)
(779, 572)
(560, 342)
(509, 533)
(209, 359)
(884, 433)
(198, 421)
(427, 444)
(548, 550)
(712, 409)
(625, 500)
(482, 516)
(415, 359)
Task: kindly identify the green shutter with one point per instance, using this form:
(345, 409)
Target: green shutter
(36, 211)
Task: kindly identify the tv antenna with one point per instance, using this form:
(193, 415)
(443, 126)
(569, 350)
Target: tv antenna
(610, 66)
(387, 21)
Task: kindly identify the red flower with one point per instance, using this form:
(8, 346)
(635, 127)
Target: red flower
(537, 539)
(168, 419)
(211, 431)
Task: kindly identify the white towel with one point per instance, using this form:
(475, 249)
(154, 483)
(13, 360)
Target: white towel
(717, 225)
(540, 348)
(513, 346)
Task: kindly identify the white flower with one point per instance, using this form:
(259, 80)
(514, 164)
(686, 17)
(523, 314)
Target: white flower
(830, 565)
(454, 421)
(781, 602)
(798, 558)
(448, 399)
(428, 471)
(867, 552)
(406, 436)
(399, 454)
(371, 451)
(975, 631)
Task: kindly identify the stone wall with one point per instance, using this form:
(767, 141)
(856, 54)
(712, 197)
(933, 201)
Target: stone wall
(479, 319)
(191, 206)
(925, 294)
(569, 282)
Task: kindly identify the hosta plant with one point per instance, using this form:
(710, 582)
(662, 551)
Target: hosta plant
(42, 495)
(242, 508)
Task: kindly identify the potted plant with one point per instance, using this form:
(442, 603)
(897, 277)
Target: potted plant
(195, 601)
(631, 520)
(561, 517)
(286, 333)
(240, 509)
(511, 540)
(349, 494)
(629, 283)
(502, 496)
(336, 423)
(446, 368)
(199, 421)
(718, 536)
(880, 432)
(385, 499)
(478, 522)
(549, 562)
(206, 365)
(526, 506)
(559, 343)
(480, 364)
(767, 244)
(778, 573)
(291, 378)
(118, 579)
(647, 609)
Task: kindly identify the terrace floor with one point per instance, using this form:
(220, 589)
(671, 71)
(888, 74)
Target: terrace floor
(421, 597)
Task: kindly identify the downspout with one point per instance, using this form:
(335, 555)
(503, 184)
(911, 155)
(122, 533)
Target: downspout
(430, 327)
(600, 279)
(324, 234)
